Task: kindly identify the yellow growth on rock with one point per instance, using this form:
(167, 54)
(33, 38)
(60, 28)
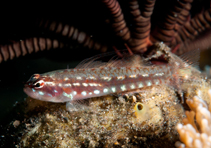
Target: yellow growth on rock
(141, 112)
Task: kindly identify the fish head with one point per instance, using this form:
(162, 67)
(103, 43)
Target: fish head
(42, 88)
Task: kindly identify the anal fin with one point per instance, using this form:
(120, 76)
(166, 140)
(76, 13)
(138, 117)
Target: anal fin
(79, 105)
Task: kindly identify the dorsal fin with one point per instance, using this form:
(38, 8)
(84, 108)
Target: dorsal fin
(92, 63)
(115, 61)
(191, 57)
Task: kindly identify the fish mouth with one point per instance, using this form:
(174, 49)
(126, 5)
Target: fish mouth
(36, 95)
(28, 84)
(26, 90)
(29, 92)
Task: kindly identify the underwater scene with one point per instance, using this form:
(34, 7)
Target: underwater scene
(146, 118)
(106, 73)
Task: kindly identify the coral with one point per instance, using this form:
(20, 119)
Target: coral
(111, 121)
(196, 128)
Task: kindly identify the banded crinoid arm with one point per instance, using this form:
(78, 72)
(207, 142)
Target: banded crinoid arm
(189, 35)
(171, 22)
(137, 36)
(100, 25)
(30, 45)
(182, 30)
(146, 24)
(27, 46)
(72, 34)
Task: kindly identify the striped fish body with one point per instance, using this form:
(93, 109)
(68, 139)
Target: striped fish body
(93, 79)
(75, 84)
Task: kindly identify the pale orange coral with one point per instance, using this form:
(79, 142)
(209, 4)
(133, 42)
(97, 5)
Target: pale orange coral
(196, 131)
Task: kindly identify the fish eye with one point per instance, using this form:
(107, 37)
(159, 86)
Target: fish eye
(39, 84)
